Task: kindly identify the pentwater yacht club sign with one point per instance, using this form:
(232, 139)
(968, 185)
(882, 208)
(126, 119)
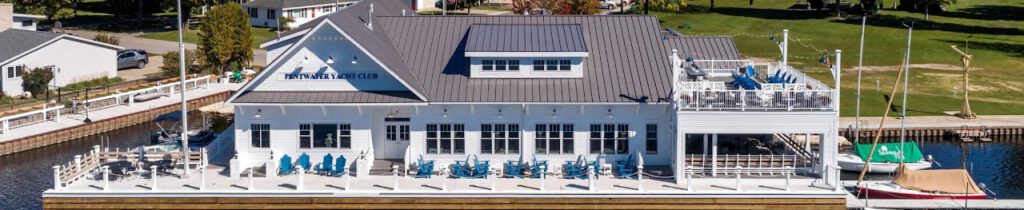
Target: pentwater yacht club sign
(329, 76)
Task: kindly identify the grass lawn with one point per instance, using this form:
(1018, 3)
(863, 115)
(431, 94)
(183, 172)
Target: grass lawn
(259, 35)
(994, 29)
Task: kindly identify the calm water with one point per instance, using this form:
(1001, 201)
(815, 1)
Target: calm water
(24, 176)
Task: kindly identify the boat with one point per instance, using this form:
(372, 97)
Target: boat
(198, 137)
(925, 184)
(887, 159)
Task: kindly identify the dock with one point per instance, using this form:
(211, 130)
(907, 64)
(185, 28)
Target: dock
(852, 202)
(941, 128)
(59, 124)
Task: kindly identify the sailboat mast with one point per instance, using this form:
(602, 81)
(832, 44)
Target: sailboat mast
(906, 83)
(860, 64)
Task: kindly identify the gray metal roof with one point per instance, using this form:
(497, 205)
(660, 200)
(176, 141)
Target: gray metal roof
(626, 63)
(285, 97)
(281, 4)
(14, 42)
(703, 47)
(525, 38)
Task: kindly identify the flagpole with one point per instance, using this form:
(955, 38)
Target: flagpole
(184, 101)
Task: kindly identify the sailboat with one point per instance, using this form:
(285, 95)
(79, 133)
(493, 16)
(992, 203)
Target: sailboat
(925, 184)
(887, 159)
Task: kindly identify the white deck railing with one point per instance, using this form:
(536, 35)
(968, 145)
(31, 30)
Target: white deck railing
(29, 118)
(128, 97)
(756, 100)
(747, 164)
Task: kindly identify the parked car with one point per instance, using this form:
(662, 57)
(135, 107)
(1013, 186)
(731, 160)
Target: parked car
(132, 59)
(609, 4)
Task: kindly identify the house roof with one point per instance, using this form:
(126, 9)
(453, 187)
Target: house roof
(628, 58)
(17, 42)
(703, 47)
(281, 4)
(525, 38)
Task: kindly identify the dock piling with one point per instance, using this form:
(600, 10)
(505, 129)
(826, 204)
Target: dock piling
(590, 179)
(838, 186)
(394, 176)
(106, 178)
(543, 176)
(640, 178)
(788, 172)
(739, 187)
(689, 178)
(202, 178)
(299, 186)
(152, 176)
(56, 177)
(348, 182)
(78, 162)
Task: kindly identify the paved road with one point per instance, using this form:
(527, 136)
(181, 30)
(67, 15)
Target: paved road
(158, 46)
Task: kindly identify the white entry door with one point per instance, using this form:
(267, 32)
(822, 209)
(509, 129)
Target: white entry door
(396, 137)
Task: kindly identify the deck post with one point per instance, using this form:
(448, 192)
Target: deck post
(838, 186)
(543, 177)
(56, 177)
(639, 178)
(131, 100)
(788, 172)
(252, 184)
(714, 154)
(348, 181)
(590, 179)
(78, 162)
(106, 178)
(152, 177)
(738, 184)
(394, 176)
(302, 179)
(202, 178)
(689, 178)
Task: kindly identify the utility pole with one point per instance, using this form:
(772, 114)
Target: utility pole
(966, 112)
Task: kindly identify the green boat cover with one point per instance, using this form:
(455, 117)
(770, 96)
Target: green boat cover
(890, 152)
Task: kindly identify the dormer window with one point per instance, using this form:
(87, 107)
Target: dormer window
(546, 50)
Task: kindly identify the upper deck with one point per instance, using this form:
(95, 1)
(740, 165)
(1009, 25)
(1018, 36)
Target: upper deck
(746, 86)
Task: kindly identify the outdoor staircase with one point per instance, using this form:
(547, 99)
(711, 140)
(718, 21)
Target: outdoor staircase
(383, 167)
(792, 145)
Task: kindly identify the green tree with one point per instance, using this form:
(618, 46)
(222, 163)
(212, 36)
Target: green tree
(36, 81)
(667, 5)
(53, 9)
(522, 6)
(225, 37)
(285, 22)
(170, 67)
(925, 6)
(186, 7)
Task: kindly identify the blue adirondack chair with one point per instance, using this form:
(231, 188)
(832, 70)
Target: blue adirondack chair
(578, 169)
(286, 165)
(461, 170)
(326, 165)
(537, 169)
(480, 168)
(339, 166)
(424, 168)
(627, 168)
(304, 162)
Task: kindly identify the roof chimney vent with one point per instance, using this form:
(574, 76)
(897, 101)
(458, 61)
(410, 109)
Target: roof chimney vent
(369, 24)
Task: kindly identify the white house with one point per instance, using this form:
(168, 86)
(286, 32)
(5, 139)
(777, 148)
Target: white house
(73, 59)
(18, 20)
(266, 13)
(373, 83)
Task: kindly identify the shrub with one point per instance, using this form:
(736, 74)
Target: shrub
(107, 38)
(37, 81)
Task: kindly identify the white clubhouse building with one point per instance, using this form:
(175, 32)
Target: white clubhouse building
(372, 84)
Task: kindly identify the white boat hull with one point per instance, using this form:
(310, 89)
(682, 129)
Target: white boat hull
(851, 162)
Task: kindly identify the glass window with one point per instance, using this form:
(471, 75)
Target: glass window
(513, 65)
(552, 65)
(554, 139)
(260, 135)
(254, 13)
(499, 138)
(446, 139)
(305, 136)
(609, 138)
(325, 136)
(538, 65)
(651, 140)
(328, 8)
(271, 14)
(500, 65)
(564, 65)
(487, 65)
